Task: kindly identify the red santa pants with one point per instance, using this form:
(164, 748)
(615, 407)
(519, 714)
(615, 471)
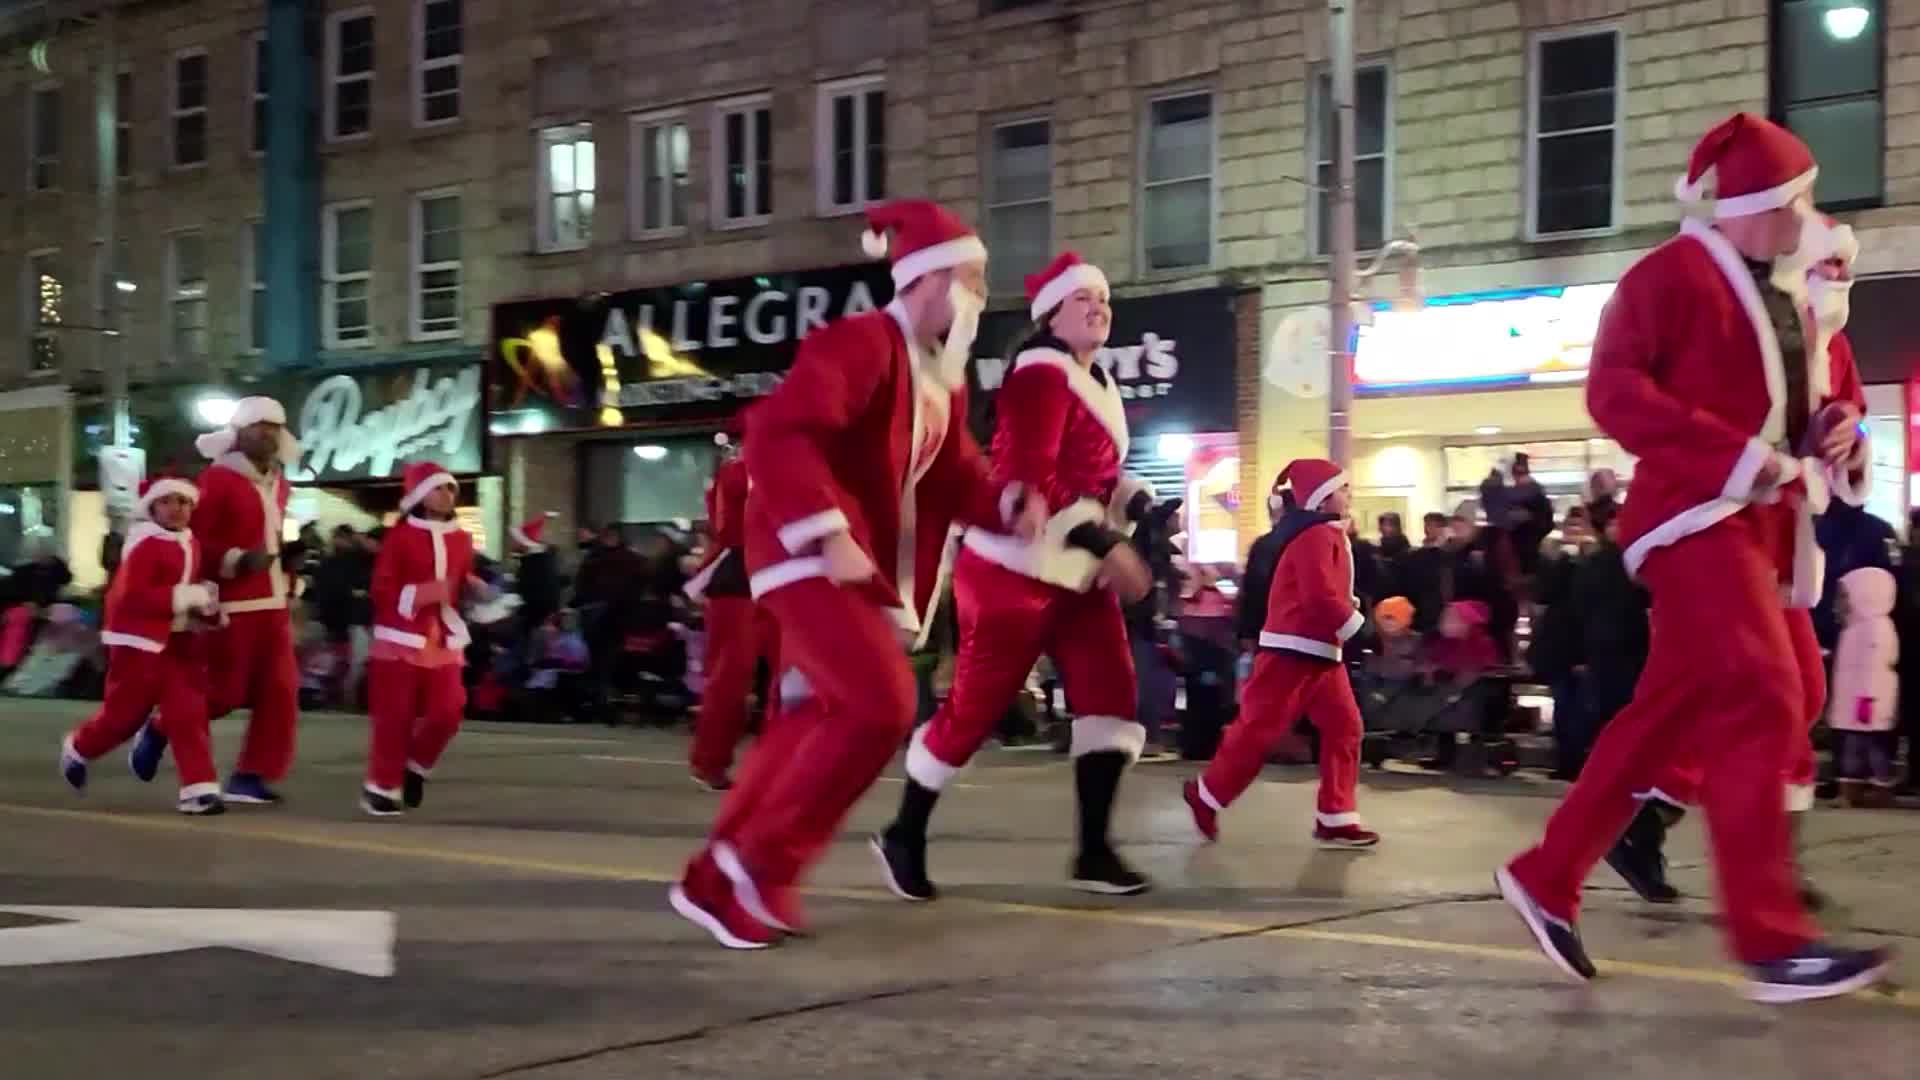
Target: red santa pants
(846, 700)
(1680, 783)
(174, 682)
(1283, 686)
(739, 633)
(414, 713)
(1721, 687)
(1007, 620)
(250, 663)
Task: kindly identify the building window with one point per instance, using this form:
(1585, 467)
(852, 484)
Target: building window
(436, 266)
(1372, 140)
(1019, 202)
(1177, 208)
(257, 285)
(347, 272)
(851, 144)
(1573, 141)
(566, 184)
(43, 122)
(1829, 82)
(46, 303)
(190, 109)
(439, 33)
(187, 294)
(660, 160)
(259, 143)
(350, 71)
(123, 124)
(745, 153)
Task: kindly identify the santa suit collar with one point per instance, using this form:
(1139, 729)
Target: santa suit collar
(242, 464)
(1102, 399)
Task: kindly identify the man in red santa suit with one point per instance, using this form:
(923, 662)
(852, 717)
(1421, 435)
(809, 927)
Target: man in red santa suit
(1701, 370)
(1311, 612)
(414, 694)
(1060, 432)
(1820, 272)
(243, 502)
(739, 631)
(156, 658)
(858, 462)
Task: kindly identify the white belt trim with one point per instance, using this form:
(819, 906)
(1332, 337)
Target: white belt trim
(132, 641)
(1296, 643)
(400, 637)
(786, 572)
(264, 603)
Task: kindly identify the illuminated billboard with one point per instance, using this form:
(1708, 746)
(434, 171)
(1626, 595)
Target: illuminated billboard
(1485, 340)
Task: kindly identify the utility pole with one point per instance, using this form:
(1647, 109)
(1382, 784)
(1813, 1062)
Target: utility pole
(1340, 269)
(106, 115)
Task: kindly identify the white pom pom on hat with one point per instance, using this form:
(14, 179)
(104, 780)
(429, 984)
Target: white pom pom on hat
(874, 243)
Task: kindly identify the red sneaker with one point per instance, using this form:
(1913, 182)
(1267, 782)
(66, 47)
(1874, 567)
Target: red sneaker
(774, 907)
(1206, 820)
(1344, 836)
(705, 898)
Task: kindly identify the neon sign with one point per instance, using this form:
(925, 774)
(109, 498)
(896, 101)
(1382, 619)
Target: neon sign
(1512, 337)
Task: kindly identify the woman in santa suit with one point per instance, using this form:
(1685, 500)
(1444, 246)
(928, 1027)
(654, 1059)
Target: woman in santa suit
(1060, 432)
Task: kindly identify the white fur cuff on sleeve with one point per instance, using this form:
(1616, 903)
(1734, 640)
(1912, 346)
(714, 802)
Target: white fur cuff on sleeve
(798, 536)
(406, 601)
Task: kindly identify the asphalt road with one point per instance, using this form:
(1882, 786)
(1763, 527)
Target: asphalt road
(531, 938)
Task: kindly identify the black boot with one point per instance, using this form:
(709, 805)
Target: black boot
(902, 846)
(1639, 856)
(1096, 779)
(1811, 898)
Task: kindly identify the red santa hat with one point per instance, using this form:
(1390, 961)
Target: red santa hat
(529, 534)
(927, 237)
(1059, 279)
(420, 479)
(247, 412)
(1752, 164)
(159, 487)
(1309, 481)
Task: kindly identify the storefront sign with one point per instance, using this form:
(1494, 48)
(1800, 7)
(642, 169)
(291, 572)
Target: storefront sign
(685, 353)
(367, 425)
(1172, 355)
(1516, 337)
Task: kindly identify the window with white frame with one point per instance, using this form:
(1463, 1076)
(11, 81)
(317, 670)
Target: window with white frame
(190, 108)
(259, 130)
(660, 160)
(257, 285)
(350, 74)
(436, 266)
(1019, 200)
(1829, 87)
(1372, 167)
(851, 144)
(347, 275)
(566, 182)
(744, 161)
(46, 305)
(187, 294)
(43, 125)
(439, 32)
(1177, 203)
(1573, 138)
(123, 124)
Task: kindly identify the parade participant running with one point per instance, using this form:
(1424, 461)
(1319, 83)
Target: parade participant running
(1061, 432)
(1701, 372)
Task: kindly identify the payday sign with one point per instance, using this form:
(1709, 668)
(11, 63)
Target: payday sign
(366, 425)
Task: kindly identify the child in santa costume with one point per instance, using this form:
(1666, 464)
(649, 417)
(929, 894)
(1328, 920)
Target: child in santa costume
(243, 503)
(156, 609)
(1820, 275)
(859, 463)
(1060, 432)
(739, 631)
(1311, 612)
(1702, 370)
(414, 694)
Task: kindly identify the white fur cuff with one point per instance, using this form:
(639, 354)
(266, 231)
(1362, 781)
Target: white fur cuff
(1093, 734)
(798, 536)
(927, 771)
(1740, 481)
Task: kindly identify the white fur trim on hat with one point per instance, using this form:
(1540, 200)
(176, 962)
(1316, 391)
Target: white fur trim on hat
(1076, 277)
(160, 489)
(1755, 202)
(246, 412)
(1333, 483)
(426, 487)
(874, 244)
(947, 253)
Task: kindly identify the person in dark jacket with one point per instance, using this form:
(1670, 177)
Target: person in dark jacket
(1250, 606)
(1852, 540)
(1555, 654)
(537, 579)
(1424, 575)
(1529, 515)
(1613, 626)
(1393, 537)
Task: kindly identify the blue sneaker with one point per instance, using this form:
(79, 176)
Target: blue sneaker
(148, 748)
(249, 788)
(73, 767)
(1816, 971)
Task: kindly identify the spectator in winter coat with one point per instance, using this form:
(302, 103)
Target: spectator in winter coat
(1852, 540)
(1529, 514)
(1612, 618)
(1555, 654)
(1862, 703)
(1423, 575)
(1393, 537)
(1250, 606)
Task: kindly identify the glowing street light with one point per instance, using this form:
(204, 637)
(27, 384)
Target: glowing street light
(1846, 22)
(215, 410)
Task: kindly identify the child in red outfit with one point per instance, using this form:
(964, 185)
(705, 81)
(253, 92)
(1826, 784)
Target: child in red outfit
(155, 660)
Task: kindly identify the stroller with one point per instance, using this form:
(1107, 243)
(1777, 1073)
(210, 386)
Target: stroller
(1420, 719)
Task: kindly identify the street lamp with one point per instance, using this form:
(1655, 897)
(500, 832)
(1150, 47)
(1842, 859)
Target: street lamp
(215, 410)
(1846, 22)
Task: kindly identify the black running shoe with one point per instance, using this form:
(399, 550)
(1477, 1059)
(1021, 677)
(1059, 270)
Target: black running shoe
(1816, 971)
(1106, 873)
(903, 861)
(1558, 938)
(413, 789)
(378, 805)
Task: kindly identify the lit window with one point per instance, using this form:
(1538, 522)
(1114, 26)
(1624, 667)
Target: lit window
(566, 180)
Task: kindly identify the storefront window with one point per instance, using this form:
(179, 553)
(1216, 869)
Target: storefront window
(1562, 467)
(649, 481)
(27, 517)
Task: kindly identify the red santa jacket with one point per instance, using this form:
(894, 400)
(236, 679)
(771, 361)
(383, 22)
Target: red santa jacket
(1687, 376)
(1311, 608)
(860, 437)
(1061, 430)
(414, 553)
(240, 510)
(156, 586)
(726, 524)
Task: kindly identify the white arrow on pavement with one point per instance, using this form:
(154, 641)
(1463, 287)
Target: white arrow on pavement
(360, 942)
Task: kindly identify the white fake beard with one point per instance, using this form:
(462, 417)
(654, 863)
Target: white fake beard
(958, 346)
(1830, 302)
